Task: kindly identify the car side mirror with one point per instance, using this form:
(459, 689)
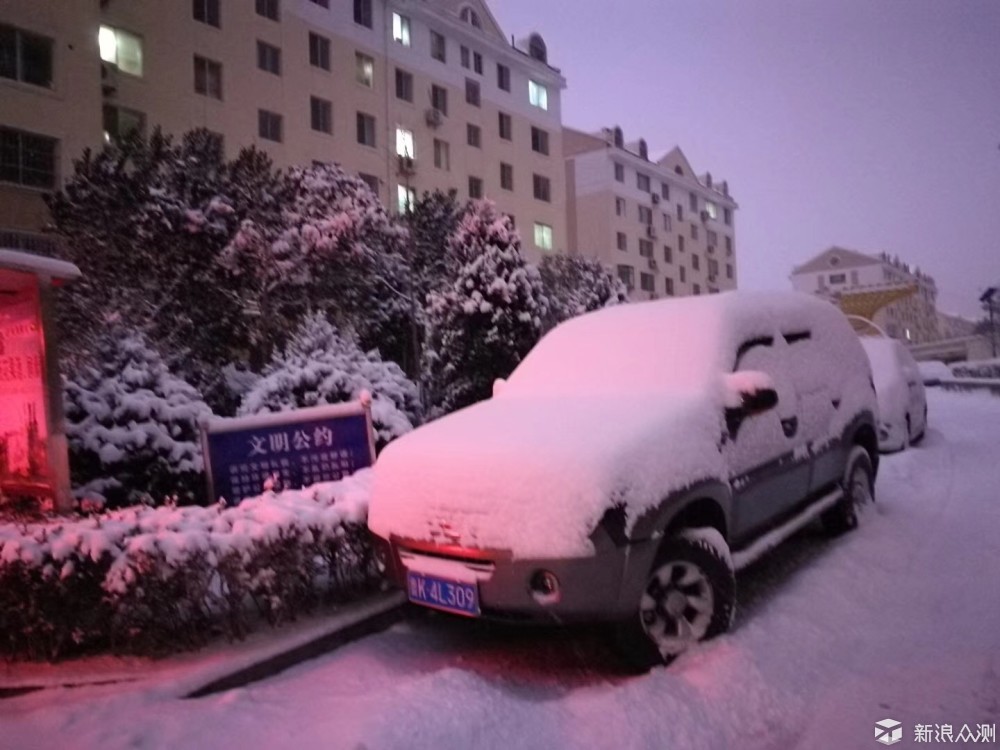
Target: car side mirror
(747, 393)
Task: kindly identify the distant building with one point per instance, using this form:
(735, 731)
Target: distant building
(412, 96)
(955, 326)
(666, 231)
(838, 271)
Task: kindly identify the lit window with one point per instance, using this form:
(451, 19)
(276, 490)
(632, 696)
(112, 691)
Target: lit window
(401, 29)
(538, 95)
(712, 209)
(405, 197)
(404, 142)
(543, 236)
(365, 69)
(122, 49)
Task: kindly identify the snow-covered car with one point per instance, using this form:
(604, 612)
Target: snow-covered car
(634, 459)
(933, 372)
(902, 400)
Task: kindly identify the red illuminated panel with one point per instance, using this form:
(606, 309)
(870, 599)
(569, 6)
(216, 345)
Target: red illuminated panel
(24, 466)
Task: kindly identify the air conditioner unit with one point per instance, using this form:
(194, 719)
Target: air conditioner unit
(433, 117)
(656, 198)
(653, 265)
(406, 166)
(650, 231)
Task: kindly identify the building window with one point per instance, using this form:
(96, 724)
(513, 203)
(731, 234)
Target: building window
(268, 58)
(404, 143)
(506, 127)
(543, 236)
(27, 159)
(539, 140)
(627, 275)
(713, 268)
(712, 237)
(695, 262)
(442, 155)
(619, 172)
(401, 29)
(370, 180)
(727, 216)
(696, 288)
(711, 209)
(475, 188)
(469, 16)
(439, 98)
(668, 254)
(269, 125)
(207, 11)
(729, 270)
(506, 176)
(622, 241)
(693, 201)
(28, 57)
(366, 130)
(669, 286)
(680, 243)
(404, 85)
(646, 282)
(838, 278)
(646, 248)
(207, 77)
(365, 66)
(680, 212)
(682, 273)
(472, 92)
(668, 224)
(463, 57)
(473, 135)
(363, 13)
(406, 198)
(542, 188)
(321, 114)
(694, 231)
(319, 51)
(438, 47)
(538, 95)
(120, 48)
(477, 63)
(665, 191)
(642, 181)
(120, 122)
(268, 9)
(620, 206)
(645, 215)
(503, 77)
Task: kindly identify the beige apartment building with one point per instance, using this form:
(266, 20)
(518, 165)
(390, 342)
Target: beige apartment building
(665, 229)
(838, 271)
(413, 95)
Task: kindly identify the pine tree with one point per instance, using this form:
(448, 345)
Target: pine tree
(132, 426)
(577, 285)
(482, 324)
(320, 366)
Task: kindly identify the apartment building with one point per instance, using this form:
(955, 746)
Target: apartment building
(839, 271)
(412, 95)
(665, 229)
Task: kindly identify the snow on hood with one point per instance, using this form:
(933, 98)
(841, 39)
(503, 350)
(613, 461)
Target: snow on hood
(534, 476)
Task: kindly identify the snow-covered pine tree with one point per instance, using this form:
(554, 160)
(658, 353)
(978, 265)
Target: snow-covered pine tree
(431, 222)
(481, 325)
(576, 285)
(133, 426)
(321, 366)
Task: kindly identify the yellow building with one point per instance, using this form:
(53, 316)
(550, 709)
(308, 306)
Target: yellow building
(412, 96)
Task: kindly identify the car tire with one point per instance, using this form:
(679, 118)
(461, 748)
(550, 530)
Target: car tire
(858, 486)
(689, 596)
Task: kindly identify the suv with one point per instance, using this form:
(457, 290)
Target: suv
(634, 460)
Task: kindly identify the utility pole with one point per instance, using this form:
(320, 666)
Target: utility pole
(989, 302)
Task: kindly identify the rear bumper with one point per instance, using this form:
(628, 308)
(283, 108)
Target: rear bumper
(603, 587)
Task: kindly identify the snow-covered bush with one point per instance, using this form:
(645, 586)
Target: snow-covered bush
(577, 285)
(320, 366)
(480, 326)
(155, 580)
(989, 368)
(132, 426)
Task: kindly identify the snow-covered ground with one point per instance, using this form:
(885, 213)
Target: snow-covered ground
(899, 620)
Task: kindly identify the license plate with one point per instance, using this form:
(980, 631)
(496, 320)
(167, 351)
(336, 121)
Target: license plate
(451, 596)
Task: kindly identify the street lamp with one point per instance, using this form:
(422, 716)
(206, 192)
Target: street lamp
(989, 302)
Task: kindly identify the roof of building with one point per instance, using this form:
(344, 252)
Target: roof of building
(834, 258)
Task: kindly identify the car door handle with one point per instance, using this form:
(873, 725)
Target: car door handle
(790, 426)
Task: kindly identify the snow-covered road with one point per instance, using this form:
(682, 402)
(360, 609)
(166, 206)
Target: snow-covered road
(899, 620)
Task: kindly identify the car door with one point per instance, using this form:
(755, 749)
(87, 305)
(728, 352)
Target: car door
(916, 394)
(763, 452)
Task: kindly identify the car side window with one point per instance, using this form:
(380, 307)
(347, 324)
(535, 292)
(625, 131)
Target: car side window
(752, 349)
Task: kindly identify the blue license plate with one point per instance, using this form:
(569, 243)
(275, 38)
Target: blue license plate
(451, 596)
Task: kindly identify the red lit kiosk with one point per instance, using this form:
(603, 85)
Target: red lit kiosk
(33, 454)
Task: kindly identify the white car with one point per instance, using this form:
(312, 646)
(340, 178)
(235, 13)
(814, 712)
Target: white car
(934, 371)
(902, 400)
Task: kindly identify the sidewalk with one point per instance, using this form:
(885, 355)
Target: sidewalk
(218, 667)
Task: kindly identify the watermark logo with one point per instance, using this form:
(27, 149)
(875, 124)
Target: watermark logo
(888, 731)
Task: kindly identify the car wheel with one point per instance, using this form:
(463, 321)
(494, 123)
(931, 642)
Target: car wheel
(689, 596)
(858, 486)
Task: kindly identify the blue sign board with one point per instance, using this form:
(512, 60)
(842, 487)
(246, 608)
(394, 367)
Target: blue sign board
(287, 450)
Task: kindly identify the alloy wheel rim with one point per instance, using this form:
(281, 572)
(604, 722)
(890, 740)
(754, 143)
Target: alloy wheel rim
(677, 606)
